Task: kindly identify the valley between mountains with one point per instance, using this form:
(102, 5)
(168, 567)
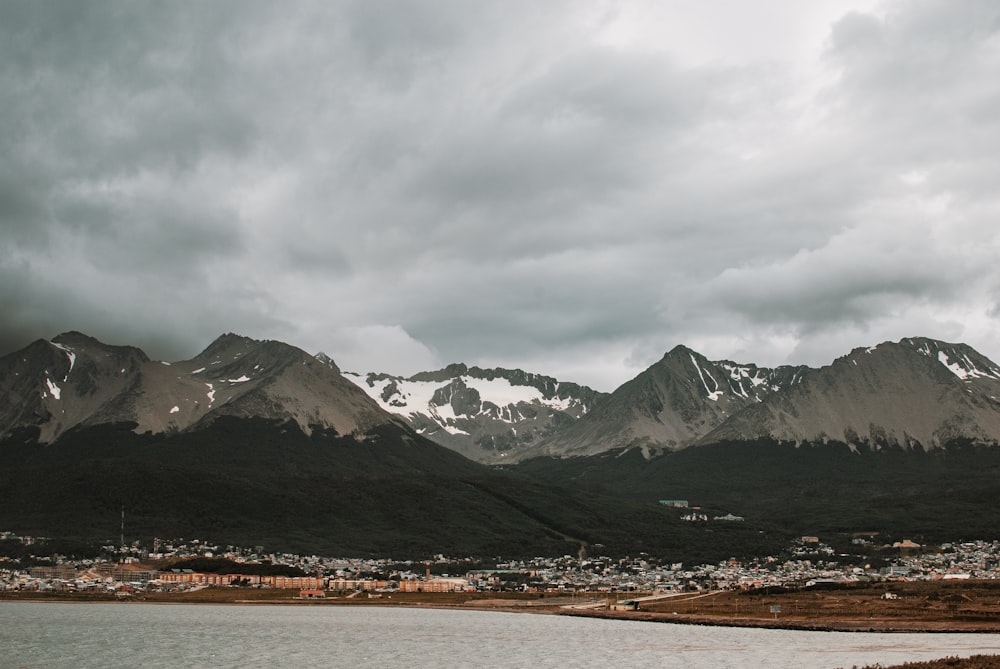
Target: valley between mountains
(258, 441)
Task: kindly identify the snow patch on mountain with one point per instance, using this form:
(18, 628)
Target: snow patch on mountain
(956, 359)
(407, 397)
(713, 395)
(69, 354)
(964, 368)
(503, 393)
(397, 396)
(955, 369)
(53, 388)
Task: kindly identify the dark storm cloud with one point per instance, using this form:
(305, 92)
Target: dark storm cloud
(410, 183)
(576, 136)
(114, 110)
(22, 207)
(400, 37)
(115, 87)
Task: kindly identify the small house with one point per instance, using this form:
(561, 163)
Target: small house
(312, 594)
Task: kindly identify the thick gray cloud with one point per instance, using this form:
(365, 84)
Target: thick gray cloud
(568, 187)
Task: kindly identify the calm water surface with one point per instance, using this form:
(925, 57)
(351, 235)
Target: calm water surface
(66, 635)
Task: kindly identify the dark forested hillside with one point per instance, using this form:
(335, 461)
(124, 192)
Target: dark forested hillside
(943, 494)
(253, 482)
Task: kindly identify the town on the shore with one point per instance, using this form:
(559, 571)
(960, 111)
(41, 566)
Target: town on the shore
(129, 570)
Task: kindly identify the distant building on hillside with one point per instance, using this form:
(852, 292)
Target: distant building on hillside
(434, 585)
(348, 585)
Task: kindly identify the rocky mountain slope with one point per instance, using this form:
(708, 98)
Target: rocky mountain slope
(915, 393)
(485, 414)
(674, 403)
(77, 381)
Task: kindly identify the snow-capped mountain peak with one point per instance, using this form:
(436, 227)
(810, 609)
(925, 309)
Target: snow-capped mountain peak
(961, 360)
(483, 413)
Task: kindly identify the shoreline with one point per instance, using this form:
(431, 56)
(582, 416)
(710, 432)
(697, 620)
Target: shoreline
(565, 606)
(803, 625)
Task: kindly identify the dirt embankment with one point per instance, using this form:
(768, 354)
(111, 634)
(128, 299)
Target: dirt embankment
(974, 662)
(967, 606)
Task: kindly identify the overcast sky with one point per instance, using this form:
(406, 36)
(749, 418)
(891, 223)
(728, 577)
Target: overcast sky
(572, 188)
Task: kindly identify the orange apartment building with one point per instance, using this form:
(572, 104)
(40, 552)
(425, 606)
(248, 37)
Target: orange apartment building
(435, 585)
(345, 585)
(281, 582)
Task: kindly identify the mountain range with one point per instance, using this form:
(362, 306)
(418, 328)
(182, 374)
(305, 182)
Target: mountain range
(258, 442)
(76, 381)
(252, 440)
(915, 393)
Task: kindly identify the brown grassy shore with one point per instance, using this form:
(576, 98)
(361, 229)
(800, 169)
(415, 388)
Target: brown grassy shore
(249, 596)
(939, 606)
(942, 606)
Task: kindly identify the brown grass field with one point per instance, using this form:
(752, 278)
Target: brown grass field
(967, 606)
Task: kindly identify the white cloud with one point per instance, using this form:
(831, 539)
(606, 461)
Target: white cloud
(368, 348)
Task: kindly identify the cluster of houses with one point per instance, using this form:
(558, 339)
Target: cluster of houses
(810, 562)
(695, 514)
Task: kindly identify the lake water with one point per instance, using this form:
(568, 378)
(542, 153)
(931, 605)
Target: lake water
(78, 636)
